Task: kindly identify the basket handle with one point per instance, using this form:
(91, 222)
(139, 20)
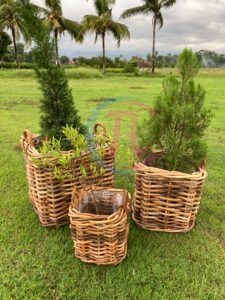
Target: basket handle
(96, 128)
(75, 194)
(203, 165)
(27, 136)
(139, 166)
(203, 168)
(125, 204)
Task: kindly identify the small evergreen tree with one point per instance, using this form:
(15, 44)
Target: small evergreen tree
(57, 106)
(179, 123)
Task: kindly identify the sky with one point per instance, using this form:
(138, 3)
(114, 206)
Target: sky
(198, 24)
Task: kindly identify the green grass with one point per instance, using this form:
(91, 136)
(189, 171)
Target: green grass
(38, 263)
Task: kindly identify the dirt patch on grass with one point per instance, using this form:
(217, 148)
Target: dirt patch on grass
(97, 100)
(9, 105)
(219, 130)
(19, 102)
(17, 148)
(136, 87)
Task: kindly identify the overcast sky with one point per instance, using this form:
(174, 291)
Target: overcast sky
(199, 24)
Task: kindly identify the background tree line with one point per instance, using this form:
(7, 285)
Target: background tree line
(209, 59)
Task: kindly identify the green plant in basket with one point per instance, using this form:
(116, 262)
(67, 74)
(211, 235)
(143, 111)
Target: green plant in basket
(54, 157)
(178, 126)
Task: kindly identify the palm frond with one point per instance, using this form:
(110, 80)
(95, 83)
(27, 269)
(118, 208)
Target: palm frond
(24, 32)
(54, 5)
(119, 31)
(96, 37)
(103, 6)
(92, 23)
(143, 9)
(53, 23)
(167, 3)
(41, 9)
(74, 29)
(5, 8)
(159, 19)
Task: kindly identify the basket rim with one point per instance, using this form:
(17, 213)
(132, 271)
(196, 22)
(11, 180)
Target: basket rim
(141, 169)
(27, 138)
(95, 217)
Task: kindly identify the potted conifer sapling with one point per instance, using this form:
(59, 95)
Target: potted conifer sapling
(170, 179)
(54, 149)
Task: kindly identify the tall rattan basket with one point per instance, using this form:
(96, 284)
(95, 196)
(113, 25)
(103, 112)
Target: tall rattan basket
(51, 197)
(100, 227)
(166, 201)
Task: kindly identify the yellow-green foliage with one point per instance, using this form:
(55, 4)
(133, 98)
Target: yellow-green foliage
(60, 161)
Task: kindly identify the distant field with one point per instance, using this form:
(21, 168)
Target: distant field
(203, 71)
(73, 73)
(38, 263)
(82, 72)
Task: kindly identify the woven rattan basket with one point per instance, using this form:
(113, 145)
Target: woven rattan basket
(100, 235)
(166, 201)
(51, 197)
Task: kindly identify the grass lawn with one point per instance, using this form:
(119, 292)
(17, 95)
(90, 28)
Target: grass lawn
(39, 263)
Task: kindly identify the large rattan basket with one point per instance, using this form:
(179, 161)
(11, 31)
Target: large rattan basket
(100, 227)
(166, 201)
(51, 197)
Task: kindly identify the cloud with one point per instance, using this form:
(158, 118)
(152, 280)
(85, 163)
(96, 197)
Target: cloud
(189, 23)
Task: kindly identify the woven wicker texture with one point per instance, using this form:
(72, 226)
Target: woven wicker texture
(100, 235)
(51, 197)
(166, 201)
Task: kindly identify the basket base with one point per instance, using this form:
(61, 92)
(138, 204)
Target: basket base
(54, 224)
(155, 227)
(48, 222)
(114, 261)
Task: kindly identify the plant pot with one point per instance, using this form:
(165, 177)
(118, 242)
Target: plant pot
(100, 224)
(51, 197)
(166, 201)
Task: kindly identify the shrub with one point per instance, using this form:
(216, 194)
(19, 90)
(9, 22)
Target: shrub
(13, 65)
(115, 70)
(131, 67)
(180, 121)
(77, 73)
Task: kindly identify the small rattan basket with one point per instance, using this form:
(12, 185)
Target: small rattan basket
(51, 197)
(166, 201)
(100, 227)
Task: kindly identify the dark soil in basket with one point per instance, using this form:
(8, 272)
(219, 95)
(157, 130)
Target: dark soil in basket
(101, 202)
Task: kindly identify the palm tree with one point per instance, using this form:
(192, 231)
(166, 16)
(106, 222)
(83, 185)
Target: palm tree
(151, 7)
(10, 19)
(102, 23)
(58, 24)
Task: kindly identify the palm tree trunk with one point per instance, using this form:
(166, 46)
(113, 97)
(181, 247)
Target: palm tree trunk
(15, 47)
(153, 45)
(103, 52)
(56, 48)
